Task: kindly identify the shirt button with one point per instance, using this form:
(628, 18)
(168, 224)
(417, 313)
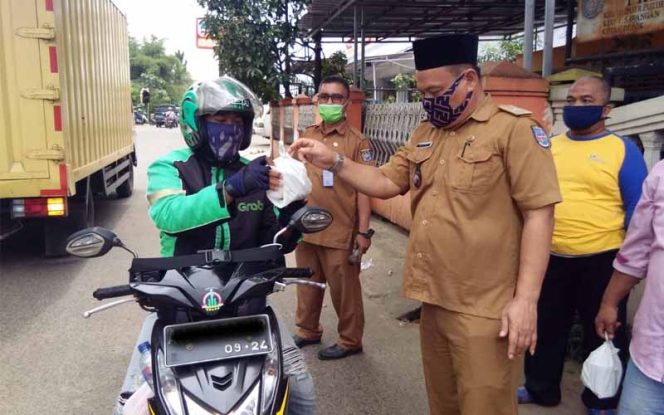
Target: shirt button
(435, 193)
(442, 162)
(452, 133)
(425, 222)
(419, 255)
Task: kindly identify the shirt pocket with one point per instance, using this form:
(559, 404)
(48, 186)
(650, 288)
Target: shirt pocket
(474, 169)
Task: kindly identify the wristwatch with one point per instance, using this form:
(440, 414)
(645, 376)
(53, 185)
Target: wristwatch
(368, 234)
(337, 163)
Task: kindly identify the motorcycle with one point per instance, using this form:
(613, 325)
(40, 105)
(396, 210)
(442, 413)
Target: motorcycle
(171, 121)
(215, 345)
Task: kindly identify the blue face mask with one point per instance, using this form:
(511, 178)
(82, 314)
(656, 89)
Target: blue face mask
(224, 139)
(582, 117)
(439, 111)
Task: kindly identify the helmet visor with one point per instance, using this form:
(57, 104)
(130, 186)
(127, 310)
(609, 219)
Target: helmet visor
(229, 95)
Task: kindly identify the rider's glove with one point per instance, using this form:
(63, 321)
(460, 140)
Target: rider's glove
(287, 211)
(253, 177)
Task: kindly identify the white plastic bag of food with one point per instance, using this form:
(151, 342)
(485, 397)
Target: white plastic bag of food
(137, 404)
(602, 370)
(295, 184)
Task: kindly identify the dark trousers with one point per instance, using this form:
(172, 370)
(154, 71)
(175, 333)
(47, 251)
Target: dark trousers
(571, 284)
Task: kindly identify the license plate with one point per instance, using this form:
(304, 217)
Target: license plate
(214, 340)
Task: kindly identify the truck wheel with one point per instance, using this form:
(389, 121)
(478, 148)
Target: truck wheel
(127, 187)
(81, 216)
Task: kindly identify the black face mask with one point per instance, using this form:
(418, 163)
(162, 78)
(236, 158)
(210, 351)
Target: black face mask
(582, 117)
(439, 111)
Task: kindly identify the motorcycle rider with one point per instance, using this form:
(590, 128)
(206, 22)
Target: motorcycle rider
(206, 196)
(170, 118)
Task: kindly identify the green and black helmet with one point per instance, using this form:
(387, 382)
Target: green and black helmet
(222, 95)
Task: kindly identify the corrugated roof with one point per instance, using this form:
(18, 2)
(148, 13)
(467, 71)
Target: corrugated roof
(421, 18)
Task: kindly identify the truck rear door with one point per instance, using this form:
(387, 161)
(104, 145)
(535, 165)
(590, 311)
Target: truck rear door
(31, 140)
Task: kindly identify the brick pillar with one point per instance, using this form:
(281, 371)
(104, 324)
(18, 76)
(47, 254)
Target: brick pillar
(286, 131)
(354, 110)
(314, 101)
(511, 84)
(298, 102)
(275, 121)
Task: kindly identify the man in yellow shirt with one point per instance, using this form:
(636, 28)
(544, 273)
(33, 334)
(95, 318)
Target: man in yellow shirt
(600, 176)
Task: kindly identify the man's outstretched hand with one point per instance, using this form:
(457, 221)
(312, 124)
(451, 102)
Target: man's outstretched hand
(314, 152)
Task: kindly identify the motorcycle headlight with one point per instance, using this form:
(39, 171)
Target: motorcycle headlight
(195, 409)
(250, 405)
(168, 387)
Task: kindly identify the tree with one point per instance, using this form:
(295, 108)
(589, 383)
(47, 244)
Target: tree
(150, 67)
(505, 50)
(336, 65)
(255, 40)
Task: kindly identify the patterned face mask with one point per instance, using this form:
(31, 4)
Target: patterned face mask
(439, 111)
(224, 139)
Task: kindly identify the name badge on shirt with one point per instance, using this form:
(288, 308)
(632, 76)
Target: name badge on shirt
(328, 178)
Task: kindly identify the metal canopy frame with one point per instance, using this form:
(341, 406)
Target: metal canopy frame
(412, 19)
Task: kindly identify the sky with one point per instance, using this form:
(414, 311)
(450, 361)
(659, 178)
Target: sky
(175, 22)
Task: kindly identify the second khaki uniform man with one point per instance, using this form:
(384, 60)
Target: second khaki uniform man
(327, 253)
(482, 185)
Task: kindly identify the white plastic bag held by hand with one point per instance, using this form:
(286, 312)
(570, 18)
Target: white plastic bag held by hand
(137, 404)
(295, 184)
(602, 370)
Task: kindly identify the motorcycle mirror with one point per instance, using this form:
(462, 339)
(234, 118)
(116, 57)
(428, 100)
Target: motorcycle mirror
(91, 242)
(311, 219)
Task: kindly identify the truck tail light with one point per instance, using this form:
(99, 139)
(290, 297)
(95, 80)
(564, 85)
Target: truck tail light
(39, 207)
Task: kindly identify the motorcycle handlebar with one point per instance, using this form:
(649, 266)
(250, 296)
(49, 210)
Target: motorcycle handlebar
(298, 273)
(112, 292)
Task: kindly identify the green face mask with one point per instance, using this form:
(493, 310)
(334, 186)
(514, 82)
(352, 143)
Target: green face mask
(331, 113)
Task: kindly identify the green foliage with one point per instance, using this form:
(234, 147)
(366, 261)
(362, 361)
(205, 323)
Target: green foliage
(255, 40)
(404, 81)
(505, 50)
(150, 67)
(336, 65)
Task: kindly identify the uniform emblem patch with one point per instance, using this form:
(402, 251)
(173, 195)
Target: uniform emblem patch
(367, 155)
(541, 137)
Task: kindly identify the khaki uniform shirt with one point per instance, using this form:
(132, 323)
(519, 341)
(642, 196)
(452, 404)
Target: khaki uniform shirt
(339, 198)
(474, 182)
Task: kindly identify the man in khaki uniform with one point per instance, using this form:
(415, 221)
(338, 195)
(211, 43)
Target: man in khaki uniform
(327, 253)
(483, 186)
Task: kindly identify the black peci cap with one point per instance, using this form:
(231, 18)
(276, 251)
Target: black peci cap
(445, 50)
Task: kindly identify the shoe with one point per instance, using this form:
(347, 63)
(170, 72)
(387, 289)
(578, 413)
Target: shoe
(301, 342)
(523, 396)
(592, 411)
(337, 352)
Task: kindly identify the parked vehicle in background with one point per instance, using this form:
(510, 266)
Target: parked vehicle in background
(63, 138)
(259, 129)
(159, 115)
(140, 118)
(267, 121)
